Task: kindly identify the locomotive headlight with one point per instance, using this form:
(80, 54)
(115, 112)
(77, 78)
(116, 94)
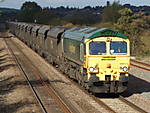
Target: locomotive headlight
(91, 69)
(124, 68)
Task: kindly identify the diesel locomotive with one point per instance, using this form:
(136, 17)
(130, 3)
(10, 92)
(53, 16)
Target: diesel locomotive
(98, 58)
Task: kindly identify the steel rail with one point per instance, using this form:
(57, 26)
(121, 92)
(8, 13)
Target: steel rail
(145, 64)
(140, 67)
(26, 77)
(101, 102)
(50, 89)
(132, 105)
(105, 106)
(96, 99)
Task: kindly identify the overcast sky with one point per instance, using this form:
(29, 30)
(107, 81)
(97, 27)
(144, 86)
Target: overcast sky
(71, 3)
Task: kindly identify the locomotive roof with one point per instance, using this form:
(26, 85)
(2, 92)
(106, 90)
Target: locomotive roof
(82, 33)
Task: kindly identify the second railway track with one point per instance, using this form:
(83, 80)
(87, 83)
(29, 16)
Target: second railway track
(48, 98)
(140, 110)
(120, 105)
(140, 65)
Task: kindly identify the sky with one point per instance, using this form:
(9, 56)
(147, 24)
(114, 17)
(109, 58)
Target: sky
(71, 3)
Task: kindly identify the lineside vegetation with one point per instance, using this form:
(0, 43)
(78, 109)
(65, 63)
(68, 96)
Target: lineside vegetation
(136, 25)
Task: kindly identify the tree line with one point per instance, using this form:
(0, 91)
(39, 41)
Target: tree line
(117, 16)
(32, 12)
(114, 15)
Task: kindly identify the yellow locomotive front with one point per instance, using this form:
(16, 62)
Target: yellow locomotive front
(107, 62)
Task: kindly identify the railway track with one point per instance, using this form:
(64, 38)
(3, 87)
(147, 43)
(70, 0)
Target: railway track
(110, 107)
(51, 101)
(100, 101)
(140, 65)
(120, 104)
(132, 105)
(109, 103)
(27, 79)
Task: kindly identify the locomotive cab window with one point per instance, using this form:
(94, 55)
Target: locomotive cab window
(97, 48)
(118, 48)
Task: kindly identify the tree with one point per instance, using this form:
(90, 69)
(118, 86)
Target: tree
(46, 17)
(132, 25)
(124, 20)
(83, 17)
(28, 11)
(110, 13)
